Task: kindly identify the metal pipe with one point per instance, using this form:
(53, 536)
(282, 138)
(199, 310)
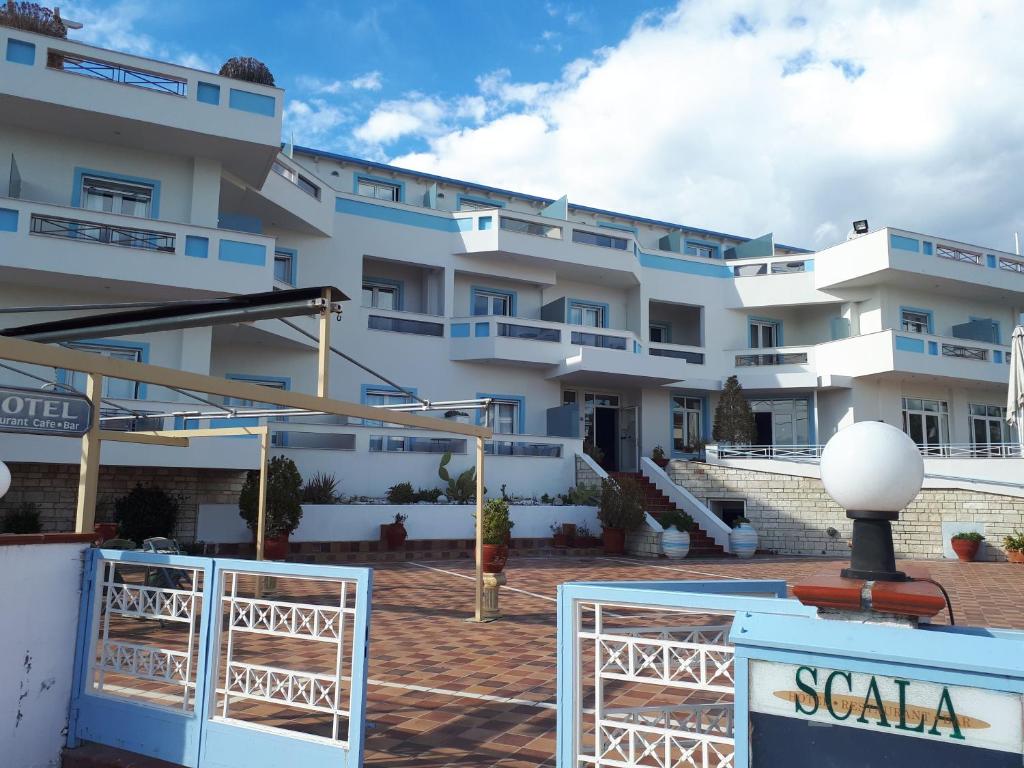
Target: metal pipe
(355, 362)
(121, 305)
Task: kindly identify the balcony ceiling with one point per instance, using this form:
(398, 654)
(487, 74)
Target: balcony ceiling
(245, 200)
(1010, 290)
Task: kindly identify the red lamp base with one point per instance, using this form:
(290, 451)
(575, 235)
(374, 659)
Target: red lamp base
(906, 598)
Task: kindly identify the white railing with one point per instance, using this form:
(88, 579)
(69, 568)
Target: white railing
(773, 356)
(947, 451)
(712, 524)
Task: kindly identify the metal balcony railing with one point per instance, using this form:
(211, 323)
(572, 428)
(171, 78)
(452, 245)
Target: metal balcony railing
(601, 340)
(966, 353)
(116, 73)
(531, 228)
(945, 451)
(772, 358)
(297, 179)
(695, 358)
(531, 332)
(1011, 265)
(107, 234)
(957, 254)
(404, 325)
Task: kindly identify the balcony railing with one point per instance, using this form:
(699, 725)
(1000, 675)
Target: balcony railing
(297, 179)
(690, 356)
(599, 239)
(523, 448)
(376, 322)
(108, 234)
(531, 332)
(771, 358)
(1011, 265)
(601, 340)
(525, 227)
(116, 73)
(772, 268)
(957, 254)
(947, 451)
(964, 352)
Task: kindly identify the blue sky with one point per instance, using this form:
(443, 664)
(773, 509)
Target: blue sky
(744, 116)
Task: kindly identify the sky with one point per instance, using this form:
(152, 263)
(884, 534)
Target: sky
(743, 116)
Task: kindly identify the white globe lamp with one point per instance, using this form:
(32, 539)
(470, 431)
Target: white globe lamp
(874, 471)
(5, 479)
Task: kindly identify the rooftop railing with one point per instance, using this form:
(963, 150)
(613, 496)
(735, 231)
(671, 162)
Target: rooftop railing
(116, 73)
(524, 227)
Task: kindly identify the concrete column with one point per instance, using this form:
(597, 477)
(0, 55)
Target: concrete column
(449, 292)
(196, 346)
(205, 205)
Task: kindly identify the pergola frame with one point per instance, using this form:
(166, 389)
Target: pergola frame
(96, 368)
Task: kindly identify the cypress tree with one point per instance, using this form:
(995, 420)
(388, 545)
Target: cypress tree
(734, 421)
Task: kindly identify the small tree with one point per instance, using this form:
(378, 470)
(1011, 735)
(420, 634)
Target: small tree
(497, 524)
(734, 421)
(147, 511)
(247, 68)
(32, 18)
(621, 504)
(284, 498)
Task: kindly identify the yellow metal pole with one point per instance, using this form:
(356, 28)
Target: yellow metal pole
(261, 514)
(89, 465)
(479, 528)
(324, 351)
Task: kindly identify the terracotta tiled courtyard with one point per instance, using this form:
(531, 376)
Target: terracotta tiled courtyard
(447, 692)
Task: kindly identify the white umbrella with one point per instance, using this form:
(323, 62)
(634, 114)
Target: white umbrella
(1015, 392)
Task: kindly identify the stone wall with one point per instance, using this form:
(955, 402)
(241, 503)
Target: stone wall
(793, 515)
(586, 477)
(54, 490)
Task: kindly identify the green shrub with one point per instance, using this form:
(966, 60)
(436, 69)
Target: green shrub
(401, 493)
(284, 497)
(32, 18)
(621, 504)
(496, 525)
(674, 518)
(429, 494)
(1014, 543)
(581, 496)
(321, 488)
(969, 536)
(146, 511)
(24, 518)
(247, 68)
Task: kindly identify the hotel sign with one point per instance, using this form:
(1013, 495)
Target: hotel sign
(38, 412)
(893, 706)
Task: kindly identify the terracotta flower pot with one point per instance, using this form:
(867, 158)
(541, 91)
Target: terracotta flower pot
(275, 547)
(105, 531)
(561, 540)
(966, 549)
(1015, 555)
(614, 540)
(495, 557)
(395, 535)
(661, 462)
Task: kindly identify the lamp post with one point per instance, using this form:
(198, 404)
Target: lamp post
(873, 470)
(5, 479)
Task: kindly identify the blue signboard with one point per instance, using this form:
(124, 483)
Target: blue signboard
(40, 412)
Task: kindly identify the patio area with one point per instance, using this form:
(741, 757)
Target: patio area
(446, 692)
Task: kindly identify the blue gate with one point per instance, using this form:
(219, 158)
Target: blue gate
(218, 663)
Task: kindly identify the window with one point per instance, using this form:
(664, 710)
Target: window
(110, 196)
(702, 250)
(272, 383)
(591, 315)
(487, 302)
(469, 204)
(604, 241)
(569, 397)
(379, 190)
(297, 179)
(686, 423)
(381, 295)
(659, 333)
(764, 334)
(503, 417)
(915, 321)
(382, 396)
(112, 388)
(284, 266)
(989, 430)
(783, 421)
(927, 423)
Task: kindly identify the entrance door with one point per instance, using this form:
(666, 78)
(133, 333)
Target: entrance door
(606, 436)
(629, 460)
(763, 427)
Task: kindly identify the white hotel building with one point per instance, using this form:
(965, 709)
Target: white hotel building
(125, 179)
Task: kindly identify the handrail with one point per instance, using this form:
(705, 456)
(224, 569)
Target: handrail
(712, 524)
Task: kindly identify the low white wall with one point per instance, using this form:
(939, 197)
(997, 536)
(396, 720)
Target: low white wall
(39, 600)
(221, 523)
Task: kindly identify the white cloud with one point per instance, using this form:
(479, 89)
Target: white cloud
(690, 118)
(314, 121)
(371, 81)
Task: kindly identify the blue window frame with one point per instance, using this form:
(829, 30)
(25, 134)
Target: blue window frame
(473, 203)
(764, 332)
(383, 394)
(702, 248)
(382, 293)
(492, 301)
(118, 389)
(593, 314)
(916, 320)
(688, 422)
(506, 414)
(378, 188)
(286, 265)
(116, 193)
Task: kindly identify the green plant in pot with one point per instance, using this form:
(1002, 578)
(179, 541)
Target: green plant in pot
(497, 533)
(675, 538)
(284, 504)
(966, 545)
(395, 533)
(146, 511)
(620, 510)
(658, 456)
(321, 488)
(1014, 546)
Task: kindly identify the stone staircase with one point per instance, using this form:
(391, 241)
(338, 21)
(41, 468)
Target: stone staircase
(655, 502)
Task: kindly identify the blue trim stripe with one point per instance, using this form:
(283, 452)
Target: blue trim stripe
(208, 93)
(460, 330)
(242, 253)
(21, 52)
(904, 243)
(933, 347)
(80, 173)
(8, 220)
(256, 103)
(908, 344)
(395, 215)
(701, 268)
(481, 329)
(198, 247)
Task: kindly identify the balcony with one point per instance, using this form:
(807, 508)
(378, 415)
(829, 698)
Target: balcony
(508, 340)
(902, 352)
(775, 368)
(692, 355)
(412, 323)
(900, 258)
(88, 93)
(290, 196)
(72, 243)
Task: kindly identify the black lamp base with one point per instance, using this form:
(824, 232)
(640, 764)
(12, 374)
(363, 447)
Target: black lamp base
(873, 557)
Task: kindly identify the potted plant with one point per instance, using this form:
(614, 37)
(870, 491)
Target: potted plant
(146, 511)
(32, 18)
(460, 417)
(675, 539)
(584, 538)
(966, 545)
(743, 538)
(1014, 546)
(284, 504)
(497, 531)
(558, 537)
(395, 533)
(247, 68)
(658, 456)
(620, 509)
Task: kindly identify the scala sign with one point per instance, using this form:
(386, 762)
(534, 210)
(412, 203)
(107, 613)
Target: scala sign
(37, 412)
(971, 717)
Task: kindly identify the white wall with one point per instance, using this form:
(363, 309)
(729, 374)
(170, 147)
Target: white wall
(221, 523)
(39, 603)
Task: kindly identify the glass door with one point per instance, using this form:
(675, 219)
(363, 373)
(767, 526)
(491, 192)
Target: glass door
(927, 424)
(629, 460)
(989, 430)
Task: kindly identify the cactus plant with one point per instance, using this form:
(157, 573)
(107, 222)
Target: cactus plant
(461, 488)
